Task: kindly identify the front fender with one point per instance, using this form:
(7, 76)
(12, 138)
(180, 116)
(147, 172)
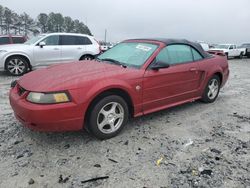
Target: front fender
(105, 85)
(16, 53)
(91, 92)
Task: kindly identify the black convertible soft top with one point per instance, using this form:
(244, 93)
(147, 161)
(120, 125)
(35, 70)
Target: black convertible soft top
(195, 45)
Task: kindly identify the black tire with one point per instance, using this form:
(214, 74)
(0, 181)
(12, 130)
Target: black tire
(86, 57)
(241, 56)
(227, 55)
(16, 66)
(206, 97)
(97, 118)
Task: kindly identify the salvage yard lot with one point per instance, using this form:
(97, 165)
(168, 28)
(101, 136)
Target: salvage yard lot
(199, 144)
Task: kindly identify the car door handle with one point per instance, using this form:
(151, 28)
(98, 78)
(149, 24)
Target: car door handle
(79, 48)
(193, 69)
(56, 49)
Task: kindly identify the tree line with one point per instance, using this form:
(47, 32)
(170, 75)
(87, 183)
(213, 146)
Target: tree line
(23, 24)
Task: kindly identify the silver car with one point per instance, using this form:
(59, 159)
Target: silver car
(47, 49)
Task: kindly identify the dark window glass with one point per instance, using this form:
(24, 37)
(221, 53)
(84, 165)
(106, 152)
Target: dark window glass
(179, 53)
(52, 40)
(4, 40)
(67, 40)
(18, 40)
(82, 40)
(75, 40)
(197, 55)
(163, 56)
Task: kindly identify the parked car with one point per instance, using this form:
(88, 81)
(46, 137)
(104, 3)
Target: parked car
(12, 39)
(230, 50)
(104, 46)
(247, 47)
(45, 50)
(204, 45)
(134, 78)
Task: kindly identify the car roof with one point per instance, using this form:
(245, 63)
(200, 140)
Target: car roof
(74, 34)
(168, 41)
(12, 36)
(227, 44)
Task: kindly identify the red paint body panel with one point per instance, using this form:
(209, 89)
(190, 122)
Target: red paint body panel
(86, 80)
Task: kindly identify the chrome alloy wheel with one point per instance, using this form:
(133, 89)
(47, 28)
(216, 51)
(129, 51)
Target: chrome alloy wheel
(16, 66)
(110, 117)
(213, 89)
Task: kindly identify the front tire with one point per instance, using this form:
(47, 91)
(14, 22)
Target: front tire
(108, 117)
(212, 90)
(16, 66)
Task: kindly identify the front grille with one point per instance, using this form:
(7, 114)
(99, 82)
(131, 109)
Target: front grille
(20, 90)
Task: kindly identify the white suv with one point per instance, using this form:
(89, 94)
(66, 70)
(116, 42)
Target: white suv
(47, 49)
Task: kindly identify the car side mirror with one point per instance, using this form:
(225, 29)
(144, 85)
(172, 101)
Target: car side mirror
(159, 65)
(42, 44)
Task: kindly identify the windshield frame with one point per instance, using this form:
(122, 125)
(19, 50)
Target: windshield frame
(145, 64)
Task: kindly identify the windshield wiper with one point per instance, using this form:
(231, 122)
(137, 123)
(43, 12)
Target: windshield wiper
(113, 61)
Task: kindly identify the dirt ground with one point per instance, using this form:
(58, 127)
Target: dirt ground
(195, 145)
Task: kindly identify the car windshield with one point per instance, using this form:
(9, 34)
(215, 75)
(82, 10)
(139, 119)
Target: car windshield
(131, 54)
(222, 46)
(34, 39)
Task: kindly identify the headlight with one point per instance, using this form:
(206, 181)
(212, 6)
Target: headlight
(48, 98)
(3, 51)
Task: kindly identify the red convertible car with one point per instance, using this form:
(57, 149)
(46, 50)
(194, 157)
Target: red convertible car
(134, 78)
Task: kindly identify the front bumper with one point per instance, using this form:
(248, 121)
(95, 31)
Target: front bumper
(54, 117)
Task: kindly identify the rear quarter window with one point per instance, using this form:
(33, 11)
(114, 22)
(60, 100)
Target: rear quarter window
(18, 40)
(197, 55)
(75, 40)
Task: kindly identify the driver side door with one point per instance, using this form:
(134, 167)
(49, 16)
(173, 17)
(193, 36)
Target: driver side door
(179, 82)
(48, 54)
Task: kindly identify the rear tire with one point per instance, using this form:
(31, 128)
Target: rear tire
(241, 56)
(212, 90)
(16, 66)
(227, 55)
(86, 57)
(108, 117)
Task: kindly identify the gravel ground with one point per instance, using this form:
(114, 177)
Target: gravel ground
(193, 145)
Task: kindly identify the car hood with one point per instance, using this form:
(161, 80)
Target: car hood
(75, 75)
(14, 46)
(218, 49)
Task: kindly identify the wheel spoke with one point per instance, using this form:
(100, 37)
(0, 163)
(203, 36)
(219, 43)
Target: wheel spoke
(102, 124)
(113, 108)
(112, 126)
(21, 67)
(104, 112)
(16, 71)
(12, 70)
(119, 116)
(20, 63)
(12, 63)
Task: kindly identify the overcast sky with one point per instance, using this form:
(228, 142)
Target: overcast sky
(214, 21)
